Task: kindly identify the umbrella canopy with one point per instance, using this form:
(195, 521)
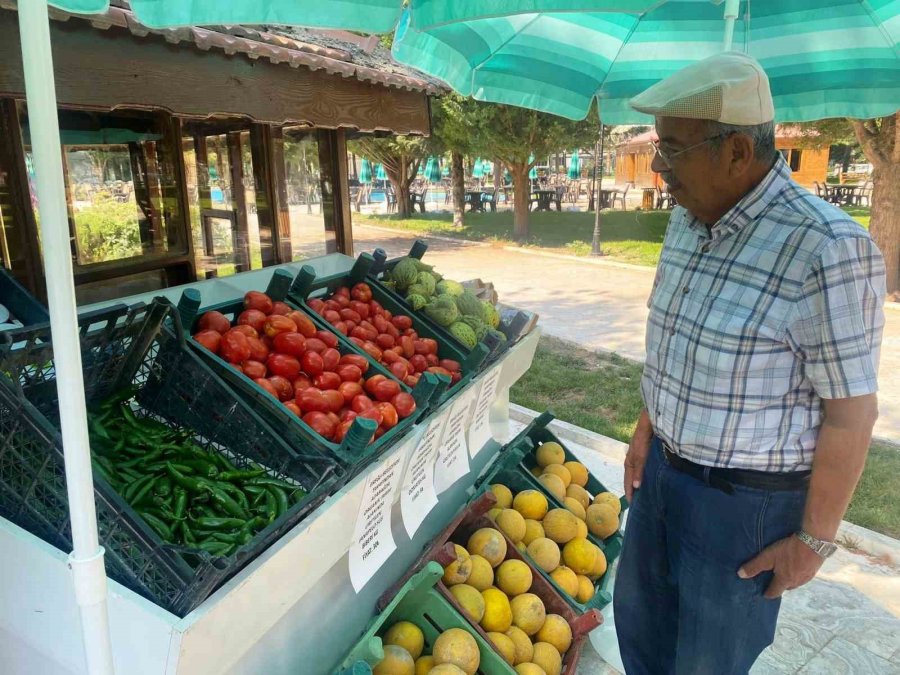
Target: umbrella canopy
(575, 166)
(365, 171)
(445, 171)
(824, 58)
(433, 170)
(533, 173)
(380, 173)
(478, 169)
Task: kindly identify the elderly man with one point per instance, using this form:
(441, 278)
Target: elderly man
(762, 353)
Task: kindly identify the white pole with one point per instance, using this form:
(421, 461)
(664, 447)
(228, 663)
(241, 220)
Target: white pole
(86, 560)
(731, 14)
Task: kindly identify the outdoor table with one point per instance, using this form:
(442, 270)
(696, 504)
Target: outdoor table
(606, 196)
(648, 198)
(545, 198)
(846, 194)
(475, 200)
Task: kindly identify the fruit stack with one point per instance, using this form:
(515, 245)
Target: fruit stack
(454, 652)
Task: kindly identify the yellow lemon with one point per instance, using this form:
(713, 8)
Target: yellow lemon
(447, 669)
(407, 635)
(489, 544)
(580, 555)
(599, 568)
(582, 529)
(586, 589)
(459, 570)
(553, 484)
(602, 520)
(560, 525)
(550, 453)
(524, 648)
(546, 656)
(497, 612)
(559, 470)
(578, 471)
(457, 647)
(396, 661)
(482, 575)
(424, 664)
(493, 513)
(533, 530)
(575, 507)
(503, 494)
(528, 612)
(512, 524)
(470, 600)
(504, 645)
(566, 579)
(536, 471)
(555, 631)
(545, 553)
(529, 669)
(610, 500)
(579, 494)
(514, 577)
(531, 504)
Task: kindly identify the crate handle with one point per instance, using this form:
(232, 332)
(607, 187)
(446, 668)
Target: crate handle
(483, 503)
(358, 436)
(515, 327)
(584, 624)
(361, 267)
(445, 555)
(303, 282)
(188, 306)
(542, 420)
(425, 389)
(491, 342)
(477, 356)
(380, 258)
(279, 285)
(159, 309)
(443, 384)
(418, 249)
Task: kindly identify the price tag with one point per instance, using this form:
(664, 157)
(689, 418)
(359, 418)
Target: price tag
(480, 430)
(373, 542)
(453, 458)
(417, 496)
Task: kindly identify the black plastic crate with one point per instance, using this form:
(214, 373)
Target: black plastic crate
(124, 347)
(22, 306)
(307, 285)
(353, 451)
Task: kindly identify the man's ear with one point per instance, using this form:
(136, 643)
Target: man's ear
(742, 154)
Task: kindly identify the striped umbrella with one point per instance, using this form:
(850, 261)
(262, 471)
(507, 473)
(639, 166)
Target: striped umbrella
(365, 172)
(575, 166)
(433, 170)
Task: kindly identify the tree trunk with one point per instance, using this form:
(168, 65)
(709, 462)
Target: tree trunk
(400, 182)
(522, 194)
(884, 225)
(458, 187)
(498, 175)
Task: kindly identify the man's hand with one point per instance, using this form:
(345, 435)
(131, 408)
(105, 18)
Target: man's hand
(793, 562)
(638, 449)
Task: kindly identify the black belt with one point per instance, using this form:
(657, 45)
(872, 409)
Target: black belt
(725, 479)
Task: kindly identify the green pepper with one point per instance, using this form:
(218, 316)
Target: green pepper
(242, 474)
(271, 505)
(232, 538)
(274, 482)
(102, 472)
(99, 429)
(217, 523)
(201, 467)
(216, 548)
(163, 486)
(236, 493)
(190, 484)
(136, 486)
(141, 493)
(187, 536)
(159, 526)
(228, 504)
(223, 461)
(281, 500)
(181, 499)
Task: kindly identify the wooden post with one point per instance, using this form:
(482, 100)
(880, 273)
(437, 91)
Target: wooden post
(260, 142)
(177, 203)
(205, 199)
(239, 201)
(335, 181)
(285, 248)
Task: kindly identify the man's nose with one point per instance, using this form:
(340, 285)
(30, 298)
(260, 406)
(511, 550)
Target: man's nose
(658, 165)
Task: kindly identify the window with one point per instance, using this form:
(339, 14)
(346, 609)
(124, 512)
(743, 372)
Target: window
(792, 157)
(303, 174)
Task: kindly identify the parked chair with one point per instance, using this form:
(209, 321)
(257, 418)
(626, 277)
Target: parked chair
(417, 197)
(864, 195)
(620, 196)
(820, 191)
(390, 199)
(664, 200)
(490, 198)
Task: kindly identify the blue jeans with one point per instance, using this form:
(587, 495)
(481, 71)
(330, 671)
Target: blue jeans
(680, 606)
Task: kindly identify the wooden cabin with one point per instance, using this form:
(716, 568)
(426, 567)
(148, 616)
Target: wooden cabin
(195, 152)
(634, 156)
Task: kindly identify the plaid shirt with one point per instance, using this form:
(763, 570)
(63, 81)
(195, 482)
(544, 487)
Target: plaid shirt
(753, 324)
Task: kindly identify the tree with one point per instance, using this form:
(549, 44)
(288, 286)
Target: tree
(455, 130)
(401, 157)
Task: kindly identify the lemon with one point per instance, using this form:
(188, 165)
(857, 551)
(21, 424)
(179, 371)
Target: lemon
(555, 631)
(582, 529)
(407, 635)
(524, 648)
(493, 513)
(553, 484)
(459, 570)
(560, 525)
(546, 656)
(580, 494)
(470, 600)
(529, 669)
(610, 500)
(457, 647)
(482, 575)
(532, 504)
(550, 453)
(533, 530)
(447, 669)
(424, 664)
(580, 555)
(586, 589)
(575, 507)
(512, 524)
(514, 577)
(528, 612)
(504, 645)
(565, 578)
(396, 661)
(545, 553)
(602, 520)
(497, 612)
(559, 470)
(503, 494)
(578, 471)
(599, 568)
(489, 544)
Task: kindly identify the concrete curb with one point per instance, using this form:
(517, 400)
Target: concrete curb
(853, 536)
(425, 235)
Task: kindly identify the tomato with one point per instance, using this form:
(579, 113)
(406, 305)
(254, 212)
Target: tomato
(357, 341)
(390, 356)
(408, 346)
(283, 387)
(342, 430)
(209, 339)
(364, 333)
(234, 347)
(381, 324)
(389, 415)
(259, 301)
(360, 308)
(285, 365)
(360, 362)
(411, 333)
(405, 404)
(449, 364)
(456, 377)
(347, 414)
(320, 423)
(341, 327)
(276, 324)
(316, 304)
(402, 322)
(249, 331)
(400, 369)
(393, 332)
(361, 402)
(312, 363)
(329, 338)
(371, 382)
(253, 318)
(311, 399)
(315, 345)
(331, 316)
(376, 308)
(385, 389)
(379, 432)
(305, 326)
(373, 350)
(267, 386)
(300, 383)
(412, 380)
(259, 350)
(341, 300)
(361, 292)
(437, 370)
(431, 345)
(331, 358)
(350, 315)
(431, 359)
(349, 390)
(350, 326)
(327, 380)
(348, 372)
(292, 344)
(385, 341)
(334, 399)
(281, 308)
(373, 413)
(214, 321)
(418, 363)
(293, 407)
(343, 291)
(254, 369)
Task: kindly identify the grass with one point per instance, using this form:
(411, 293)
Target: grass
(628, 236)
(601, 392)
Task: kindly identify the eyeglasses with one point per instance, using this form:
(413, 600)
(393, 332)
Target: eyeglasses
(667, 157)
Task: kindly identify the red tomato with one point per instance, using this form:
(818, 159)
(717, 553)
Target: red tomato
(373, 350)
(342, 291)
(335, 400)
(316, 305)
(364, 333)
(254, 369)
(283, 387)
(331, 316)
(253, 318)
(312, 363)
(405, 404)
(355, 359)
(300, 383)
(311, 399)
(371, 382)
(385, 341)
(393, 332)
(305, 325)
(292, 344)
(408, 346)
(259, 351)
(320, 423)
(379, 432)
(386, 389)
(357, 341)
(214, 321)
(456, 377)
(400, 369)
(329, 338)
(293, 407)
(341, 300)
(350, 315)
(418, 363)
(381, 324)
(349, 373)
(234, 347)
(342, 430)
(402, 322)
(449, 364)
(249, 331)
(276, 324)
(315, 345)
(360, 308)
(257, 300)
(389, 415)
(331, 358)
(361, 402)
(209, 339)
(341, 327)
(376, 308)
(412, 380)
(373, 413)
(267, 386)
(390, 356)
(327, 380)
(431, 359)
(281, 308)
(431, 345)
(349, 390)
(285, 365)
(437, 370)
(333, 416)
(347, 414)
(361, 292)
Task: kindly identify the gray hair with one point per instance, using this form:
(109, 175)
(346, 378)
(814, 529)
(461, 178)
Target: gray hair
(763, 136)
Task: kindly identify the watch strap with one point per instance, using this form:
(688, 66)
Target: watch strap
(822, 548)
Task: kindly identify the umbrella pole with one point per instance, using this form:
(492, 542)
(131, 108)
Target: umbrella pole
(86, 560)
(731, 14)
(595, 240)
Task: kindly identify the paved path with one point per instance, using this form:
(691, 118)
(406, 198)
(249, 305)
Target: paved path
(599, 306)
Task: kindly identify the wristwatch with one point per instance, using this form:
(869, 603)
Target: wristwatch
(824, 548)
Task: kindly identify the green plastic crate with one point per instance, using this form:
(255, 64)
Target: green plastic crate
(417, 600)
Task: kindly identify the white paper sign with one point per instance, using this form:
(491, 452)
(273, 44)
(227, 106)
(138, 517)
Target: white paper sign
(480, 429)
(453, 458)
(417, 496)
(373, 542)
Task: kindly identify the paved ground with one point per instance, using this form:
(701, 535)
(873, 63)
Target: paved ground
(599, 306)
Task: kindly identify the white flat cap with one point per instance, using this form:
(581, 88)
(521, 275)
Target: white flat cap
(729, 87)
